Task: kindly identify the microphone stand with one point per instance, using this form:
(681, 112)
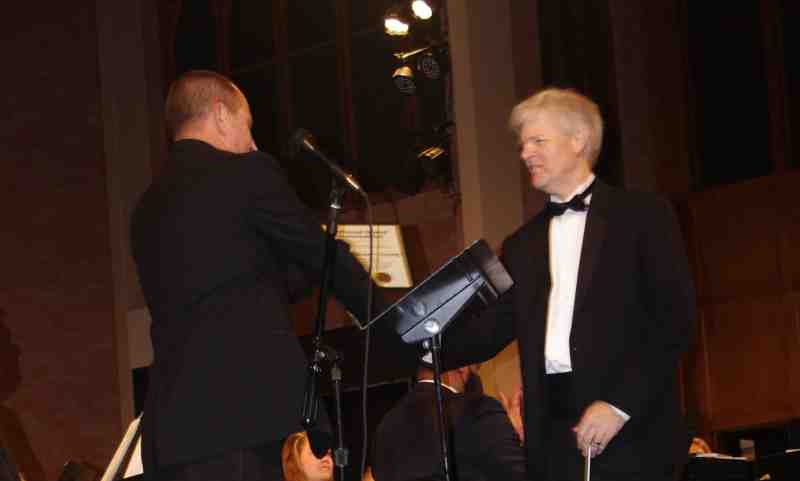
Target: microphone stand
(322, 352)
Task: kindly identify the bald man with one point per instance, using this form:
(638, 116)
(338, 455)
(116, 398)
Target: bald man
(214, 238)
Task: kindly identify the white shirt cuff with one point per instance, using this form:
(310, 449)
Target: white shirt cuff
(625, 416)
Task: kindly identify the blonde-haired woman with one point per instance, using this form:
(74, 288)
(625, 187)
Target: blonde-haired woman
(300, 464)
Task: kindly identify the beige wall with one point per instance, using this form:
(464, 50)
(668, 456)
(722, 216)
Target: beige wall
(494, 64)
(484, 93)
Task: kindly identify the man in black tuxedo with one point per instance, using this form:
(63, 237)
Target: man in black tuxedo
(215, 238)
(602, 306)
(484, 446)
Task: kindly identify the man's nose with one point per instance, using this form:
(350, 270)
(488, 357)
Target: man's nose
(526, 152)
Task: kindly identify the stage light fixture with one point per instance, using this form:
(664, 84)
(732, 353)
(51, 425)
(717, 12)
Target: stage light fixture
(395, 23)
(429, 65)
(431, 153)
(430, 60)
(406, 55)
(404, 80)
(422, 9)
(435, 163)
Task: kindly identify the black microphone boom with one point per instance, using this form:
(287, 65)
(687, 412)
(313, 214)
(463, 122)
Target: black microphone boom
(303, 140)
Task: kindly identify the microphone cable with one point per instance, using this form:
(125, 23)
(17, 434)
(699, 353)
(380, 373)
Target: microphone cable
(364, 380)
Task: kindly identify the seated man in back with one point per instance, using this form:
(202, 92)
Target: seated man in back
(483, 444)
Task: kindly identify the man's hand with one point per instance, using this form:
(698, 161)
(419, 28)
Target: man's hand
(597, 427)
(513, 407)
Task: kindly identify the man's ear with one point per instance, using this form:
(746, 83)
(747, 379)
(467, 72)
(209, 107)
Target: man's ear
(221, 117)
(580, 140)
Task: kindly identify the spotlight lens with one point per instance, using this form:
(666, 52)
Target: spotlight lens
(405, 85)
(404, 80)
(395, 26)
(430, 67)
(421, 9)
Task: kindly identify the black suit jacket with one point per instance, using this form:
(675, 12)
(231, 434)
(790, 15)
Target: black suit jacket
(214, 239)
(484, 446)
(634, 312)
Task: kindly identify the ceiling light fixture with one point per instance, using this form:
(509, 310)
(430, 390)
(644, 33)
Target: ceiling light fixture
(395, 23)
(422, 9)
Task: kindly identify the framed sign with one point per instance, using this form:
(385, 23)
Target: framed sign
(389, 260)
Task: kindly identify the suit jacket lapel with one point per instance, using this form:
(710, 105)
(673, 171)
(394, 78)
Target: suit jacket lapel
(593, 238)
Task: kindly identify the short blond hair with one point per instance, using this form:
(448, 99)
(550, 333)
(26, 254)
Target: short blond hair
(572, 110)
(192, 95)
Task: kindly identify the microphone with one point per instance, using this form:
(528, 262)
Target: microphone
(303, 140)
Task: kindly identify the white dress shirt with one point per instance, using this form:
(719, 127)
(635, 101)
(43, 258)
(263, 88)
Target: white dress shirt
(566, 243)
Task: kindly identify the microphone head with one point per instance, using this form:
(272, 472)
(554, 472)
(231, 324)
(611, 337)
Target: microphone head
(301, 140)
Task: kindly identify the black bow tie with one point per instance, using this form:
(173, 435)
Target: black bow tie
(576, 203)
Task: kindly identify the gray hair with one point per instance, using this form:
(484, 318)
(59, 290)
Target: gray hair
(572, 109)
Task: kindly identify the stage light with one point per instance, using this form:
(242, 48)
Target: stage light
(395, 23)
(435, 163)
(422, 9)
(431, 153)
(428, 161)
(404, 79)
(405, 55)
(429, 65)
(430, 60)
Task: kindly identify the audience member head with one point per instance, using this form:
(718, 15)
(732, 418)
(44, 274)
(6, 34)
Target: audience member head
(300, 464)
(463, 379)
(368, 474)
(207, 106)
(699, 446)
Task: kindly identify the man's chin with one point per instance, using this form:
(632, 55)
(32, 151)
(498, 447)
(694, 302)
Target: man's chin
(537, 182)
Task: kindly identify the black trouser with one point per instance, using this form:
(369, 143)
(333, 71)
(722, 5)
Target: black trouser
(260, 463)
(564, 460)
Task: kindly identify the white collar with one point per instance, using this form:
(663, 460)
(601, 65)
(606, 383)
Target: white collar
(430, 381)
(584, 185)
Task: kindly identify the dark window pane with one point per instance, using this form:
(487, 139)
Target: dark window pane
(315, 106)
(195, 38)
(729, 92)
(260, 89)
(251, 33)
(311, 22)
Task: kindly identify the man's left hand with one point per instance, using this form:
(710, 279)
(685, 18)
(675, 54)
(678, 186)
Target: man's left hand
(597, 427)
